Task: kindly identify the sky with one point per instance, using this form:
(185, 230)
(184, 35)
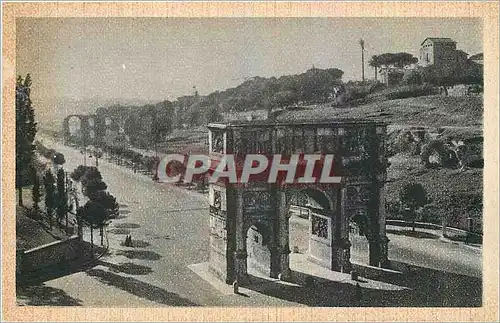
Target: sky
(153, 59)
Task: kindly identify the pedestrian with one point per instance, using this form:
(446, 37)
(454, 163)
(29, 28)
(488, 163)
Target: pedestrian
(128, 241)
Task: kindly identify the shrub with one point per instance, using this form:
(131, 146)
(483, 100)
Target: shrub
(412, 78)
(406, 143)
(412, 196)
(447, 157)
(376, 87)
(356, 93)
(392, 210)
(410, 91)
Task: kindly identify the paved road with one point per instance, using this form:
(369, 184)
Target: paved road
(172, 226)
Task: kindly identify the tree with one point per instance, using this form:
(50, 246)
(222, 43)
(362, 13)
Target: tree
(36, 192)
(50, 197)
(412, 197)
(469, 204)
(214, 115)
(25, 132)
(94, 215)
(468, 73)
(362, 44)
(78, 173)
(111, 207)
(398, 60)
(284, 98)
(58, 158)
(91, 173)
(374, 62)
(62, 198)
(92, 186)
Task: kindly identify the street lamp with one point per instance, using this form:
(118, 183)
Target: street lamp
(84, 153)
(97, 153)
(469, 229)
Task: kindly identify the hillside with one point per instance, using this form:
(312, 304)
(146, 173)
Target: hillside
(461, 117)
(425, 111)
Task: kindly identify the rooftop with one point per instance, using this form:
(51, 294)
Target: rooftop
(439, 40)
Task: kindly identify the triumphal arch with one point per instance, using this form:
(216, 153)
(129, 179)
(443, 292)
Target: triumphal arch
(249, 222)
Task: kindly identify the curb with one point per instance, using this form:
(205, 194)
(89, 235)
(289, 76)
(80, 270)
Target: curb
(446, 240)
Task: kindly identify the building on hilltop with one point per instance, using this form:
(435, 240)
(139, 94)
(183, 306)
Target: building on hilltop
(441, 53)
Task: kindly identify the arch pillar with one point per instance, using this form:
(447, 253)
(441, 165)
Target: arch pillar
(283, 233)
(341, 243)
(240, 253)
(383, 240)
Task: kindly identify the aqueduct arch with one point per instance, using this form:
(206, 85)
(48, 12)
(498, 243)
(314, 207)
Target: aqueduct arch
(359, 149)
(89, 132)
(94, 128)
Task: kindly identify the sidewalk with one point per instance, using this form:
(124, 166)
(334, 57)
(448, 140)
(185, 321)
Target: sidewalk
(396, 229)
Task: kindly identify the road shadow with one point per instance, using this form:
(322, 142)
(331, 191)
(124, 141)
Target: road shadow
(42, 295)
(119, 231)
(140, 289)
(156, 237)
(414, 234)
(318, 293)
(412, 286)
(136, 244)
(139, 254)
(430, 287)
(127, 225)
(127, 268)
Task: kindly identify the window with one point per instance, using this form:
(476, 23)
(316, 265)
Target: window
(354, 142)
(280, 141)
(325, 140)
(319, 226)
(255, 142)
(217, 142)
(309, 141)
(298, 140)
(217, 199)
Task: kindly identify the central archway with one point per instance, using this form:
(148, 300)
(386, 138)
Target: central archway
(259, 247)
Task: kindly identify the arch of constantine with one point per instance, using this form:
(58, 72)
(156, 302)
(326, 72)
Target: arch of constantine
(249, 223)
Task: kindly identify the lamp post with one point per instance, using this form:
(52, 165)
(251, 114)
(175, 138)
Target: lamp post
(362, 44)
(84, 153)
(96, 153)
(469, 229)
